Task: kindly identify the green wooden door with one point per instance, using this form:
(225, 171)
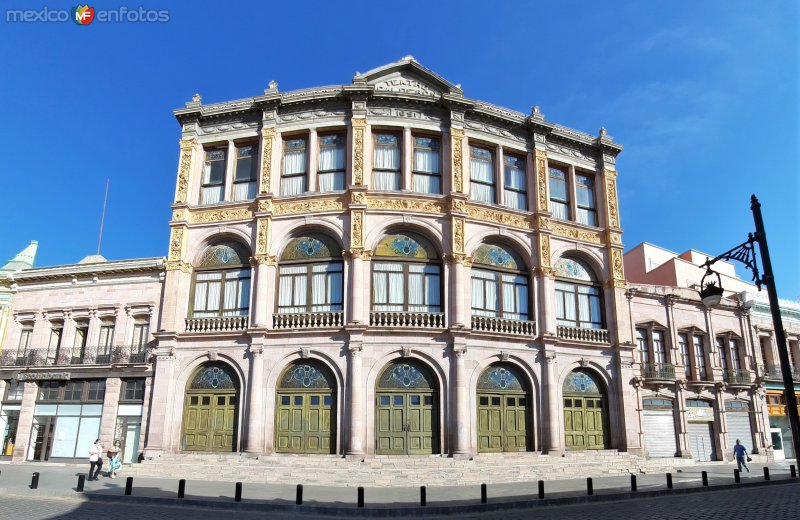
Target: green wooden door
(304, 422)
(502, 423)
(405, 423)
(584, 420)
(210, 410)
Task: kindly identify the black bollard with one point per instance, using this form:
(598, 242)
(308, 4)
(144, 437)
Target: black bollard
(35, 480)
(736, 476)
(360, 496)
(793, 471)
(299, 497)
(129, 485)
(483, 494)
(81, 480)
(181, 488)
(669, 480)
(238, 497)
(589, 487)
(423, 496)
(766, 473)
(541, 489)
(704, 474)
(633, 483)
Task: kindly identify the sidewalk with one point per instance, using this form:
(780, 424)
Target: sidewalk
(61, 481)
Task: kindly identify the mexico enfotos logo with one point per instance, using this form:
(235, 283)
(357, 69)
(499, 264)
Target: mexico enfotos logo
(85, 15)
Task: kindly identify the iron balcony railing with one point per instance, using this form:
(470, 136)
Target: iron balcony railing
(582, 334)
(308, 320)
(658, 372)
(503, 326)
(737, 377)
(217, 324)
(774, 372)
(92, 355)
(414, 320)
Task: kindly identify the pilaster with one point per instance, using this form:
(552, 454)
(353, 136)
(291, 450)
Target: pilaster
(27, 406)
(108, 420)
(256, 403)
(355, 389)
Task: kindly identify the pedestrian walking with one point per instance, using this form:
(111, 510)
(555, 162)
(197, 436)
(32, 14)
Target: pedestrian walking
(740, 452)
(95, 459)
(114, 464)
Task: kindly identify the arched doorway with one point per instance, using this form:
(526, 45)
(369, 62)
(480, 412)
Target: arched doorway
(210, 409)
(406, 410)
(305, 406)
(503, 410)
(585, 412)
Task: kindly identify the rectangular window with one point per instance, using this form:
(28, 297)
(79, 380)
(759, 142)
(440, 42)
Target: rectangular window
(244, 180)
(213, 185)
(386, 162)
(559, 194)
(73, 391)
(48, 390)
(659, 350)
(106, 336)
(141, 333)
(723, 356)
(481, 175)
(700, 357)
(516, 192)
(683, 345)
(330, 167)
(644, 348)
(14, 391)
(134, 390)
(426, 174)
(388, 287)
(25, 339)
(485, 293)
(587, 212)
(326, 287)
(515, 297)
(295, 166)
(97, 390)
(222, 294)
(293, 295)
(54, 345)
(733, 347)
(423, 288)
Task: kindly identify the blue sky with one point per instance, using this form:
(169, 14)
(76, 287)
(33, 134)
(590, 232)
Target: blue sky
(703, 95)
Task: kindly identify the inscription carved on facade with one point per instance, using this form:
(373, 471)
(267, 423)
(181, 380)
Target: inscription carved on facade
(262, 236)
(458, 235)
(391, 203)
(500, 217)
(402, 85)
(220, 215)
(307, 206)
(611, 193)
(457, 136)
(176, 244)
(359, 126)
(357, 229)
(184, 167)
(577, 234)
(268, 135)
(541, 179)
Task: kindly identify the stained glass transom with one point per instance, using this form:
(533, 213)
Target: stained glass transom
(497, 256)
(581, 383)
(569, 268)
(224, 255)
(212, 377)
(307, 247)
(405, 246)
(306, 375)
(500, 378)
(406, 376)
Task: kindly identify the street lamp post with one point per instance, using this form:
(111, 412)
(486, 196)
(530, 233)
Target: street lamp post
(711, 293)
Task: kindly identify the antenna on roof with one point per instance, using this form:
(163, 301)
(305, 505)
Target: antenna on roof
(103, 218)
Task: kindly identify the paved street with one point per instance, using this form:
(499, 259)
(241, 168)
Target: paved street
(778, 502)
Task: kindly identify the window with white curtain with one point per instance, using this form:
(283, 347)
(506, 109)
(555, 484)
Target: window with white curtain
(733, 348)
(515, 194)
(578, 295)
(222, 282)
(141, 332)
(295, 166)
(686, 359)
(79, 344)
(331, 164)
(244, 181)
(482, 185)
(651, 345)
(386, 162)
(212, 188)
(426, 173)
(644, 347)
(584, 199)
(499, 285)
(25, 339)
(406, 275)
(53, 346)
(700, 356)
(310, 276)
(559, 192)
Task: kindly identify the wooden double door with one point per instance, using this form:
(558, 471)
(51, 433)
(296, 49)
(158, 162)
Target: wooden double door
(406, 423)
(303, 422)
(209, 421)
(503, 422)
(584, 422)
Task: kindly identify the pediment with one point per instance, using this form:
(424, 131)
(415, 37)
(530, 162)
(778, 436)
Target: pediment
(407, 76)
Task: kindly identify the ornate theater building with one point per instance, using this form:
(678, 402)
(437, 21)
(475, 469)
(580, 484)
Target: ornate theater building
(388, 267)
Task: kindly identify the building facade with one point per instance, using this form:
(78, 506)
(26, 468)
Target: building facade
(385, 267)
(23, 260)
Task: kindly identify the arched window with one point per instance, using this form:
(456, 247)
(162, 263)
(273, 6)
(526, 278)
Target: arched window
(406, 275)
(578, 296)
(222, 282)
(310, 276)
(499, 283)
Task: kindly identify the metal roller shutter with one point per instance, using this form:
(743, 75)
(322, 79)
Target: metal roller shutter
(659, 433)
(739, 428)
(701, 441)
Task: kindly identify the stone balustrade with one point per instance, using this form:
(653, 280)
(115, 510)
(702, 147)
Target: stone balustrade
(503, 326)
(416, 320)
(308, 320)
(217, 324)
(583, 334)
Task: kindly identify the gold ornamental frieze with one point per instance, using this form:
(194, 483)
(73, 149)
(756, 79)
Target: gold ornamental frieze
(457, 136)
(220, 215)
(262, 236)
(307, 206)
(505, 218)
(403, 204)
(611, 195)
(541, 179)
(585, 235)
(267, 136)
(184, 168)
(359, 129)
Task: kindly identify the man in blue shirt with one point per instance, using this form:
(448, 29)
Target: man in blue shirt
(740, 453)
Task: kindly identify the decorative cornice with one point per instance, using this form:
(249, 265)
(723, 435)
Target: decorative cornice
(220, 215)
(406, 204)
(575, 233)
(307, 206)
(506, 218)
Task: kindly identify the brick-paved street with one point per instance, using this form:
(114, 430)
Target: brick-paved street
(781, 502)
